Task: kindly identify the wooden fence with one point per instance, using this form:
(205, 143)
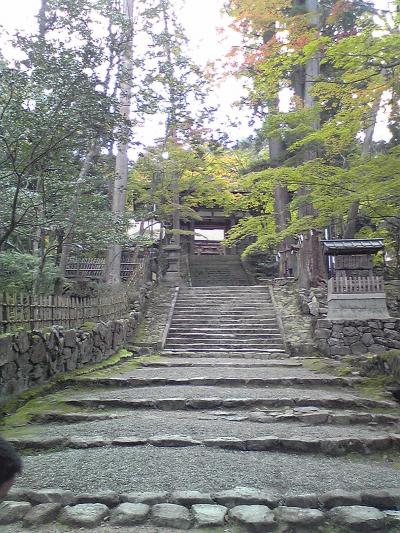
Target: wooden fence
(95, 268)
(23, 311)
(31, 312)
(356, 285)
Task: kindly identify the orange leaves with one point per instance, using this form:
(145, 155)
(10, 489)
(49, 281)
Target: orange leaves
(261, 13)
(300, 42)
(340, 7)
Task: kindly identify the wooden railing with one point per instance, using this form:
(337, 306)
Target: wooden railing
(28, 312)
(356, 285)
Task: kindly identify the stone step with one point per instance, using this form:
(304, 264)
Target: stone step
(205, 403)
(224, 301)
(173, 342)
(225, 290)
(216, 381)
(226, 322)
(221, 363)
(234, 306)
(336, 446)
(218, 352)
(224, 332)
(242, 313)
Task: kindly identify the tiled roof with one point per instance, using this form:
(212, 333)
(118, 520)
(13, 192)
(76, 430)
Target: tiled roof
(353, 245)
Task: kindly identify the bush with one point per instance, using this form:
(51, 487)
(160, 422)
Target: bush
(18, 273)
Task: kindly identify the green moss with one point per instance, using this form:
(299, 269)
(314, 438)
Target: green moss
(59, 382)
(19, 413)
(344, 371)
(374, 387)
(318, 365)
(124, 366)
(88, 326)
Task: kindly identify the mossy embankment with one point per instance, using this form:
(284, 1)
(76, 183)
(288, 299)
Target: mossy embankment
(17, 414)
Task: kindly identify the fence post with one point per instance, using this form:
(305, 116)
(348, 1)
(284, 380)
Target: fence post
(31, 313)
(4, 313)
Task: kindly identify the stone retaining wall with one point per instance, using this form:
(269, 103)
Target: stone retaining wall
(297, 325)
(246, 508)
(347, 337)
(28, 359)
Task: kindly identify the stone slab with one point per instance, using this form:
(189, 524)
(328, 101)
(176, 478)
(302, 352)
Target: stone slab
(257, 518)
(171, 515)
(84, 515)
(43, 513)
(357, 518)
(11, 512)
(209, 515)
(129, 514)
(245, 496)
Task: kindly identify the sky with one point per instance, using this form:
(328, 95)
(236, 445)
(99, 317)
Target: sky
(201, 19)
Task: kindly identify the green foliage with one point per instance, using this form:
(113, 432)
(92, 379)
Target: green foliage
(203, 177)
(19, 273)
(323, 161)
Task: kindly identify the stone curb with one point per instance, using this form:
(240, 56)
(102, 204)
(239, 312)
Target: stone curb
(383, 499)
(334, 446)
(172, 404)
(244, 506)
(218, 381)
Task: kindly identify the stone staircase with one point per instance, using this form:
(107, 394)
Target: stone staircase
(233, 319)
(213, 434)
(217, 270)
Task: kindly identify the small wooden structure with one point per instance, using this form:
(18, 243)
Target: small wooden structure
(94, 268)
(354, 292)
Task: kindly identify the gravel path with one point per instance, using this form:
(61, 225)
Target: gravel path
(148, 468)
(202, 425)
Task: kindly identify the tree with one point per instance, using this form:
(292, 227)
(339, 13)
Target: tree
(355, 46)
(57, 112)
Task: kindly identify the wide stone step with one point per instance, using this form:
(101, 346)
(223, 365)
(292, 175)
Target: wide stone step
(190, 302)
(235, 319)
(223, 332)
(243, 313)
(254, 336)
(223, 363)
(227, 295)
(269, 443)
(191, 351)
(216, 381)
(237, 343)
(210, 470)
(177, 404)
(222, 322)
(234, 307)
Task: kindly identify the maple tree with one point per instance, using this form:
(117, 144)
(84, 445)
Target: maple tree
(351, 182)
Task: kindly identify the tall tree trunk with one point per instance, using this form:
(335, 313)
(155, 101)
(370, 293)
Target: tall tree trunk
(352, 216)
(113, 259)
(311, 268)
(42, 19)
(281, 195)
(64, 247)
